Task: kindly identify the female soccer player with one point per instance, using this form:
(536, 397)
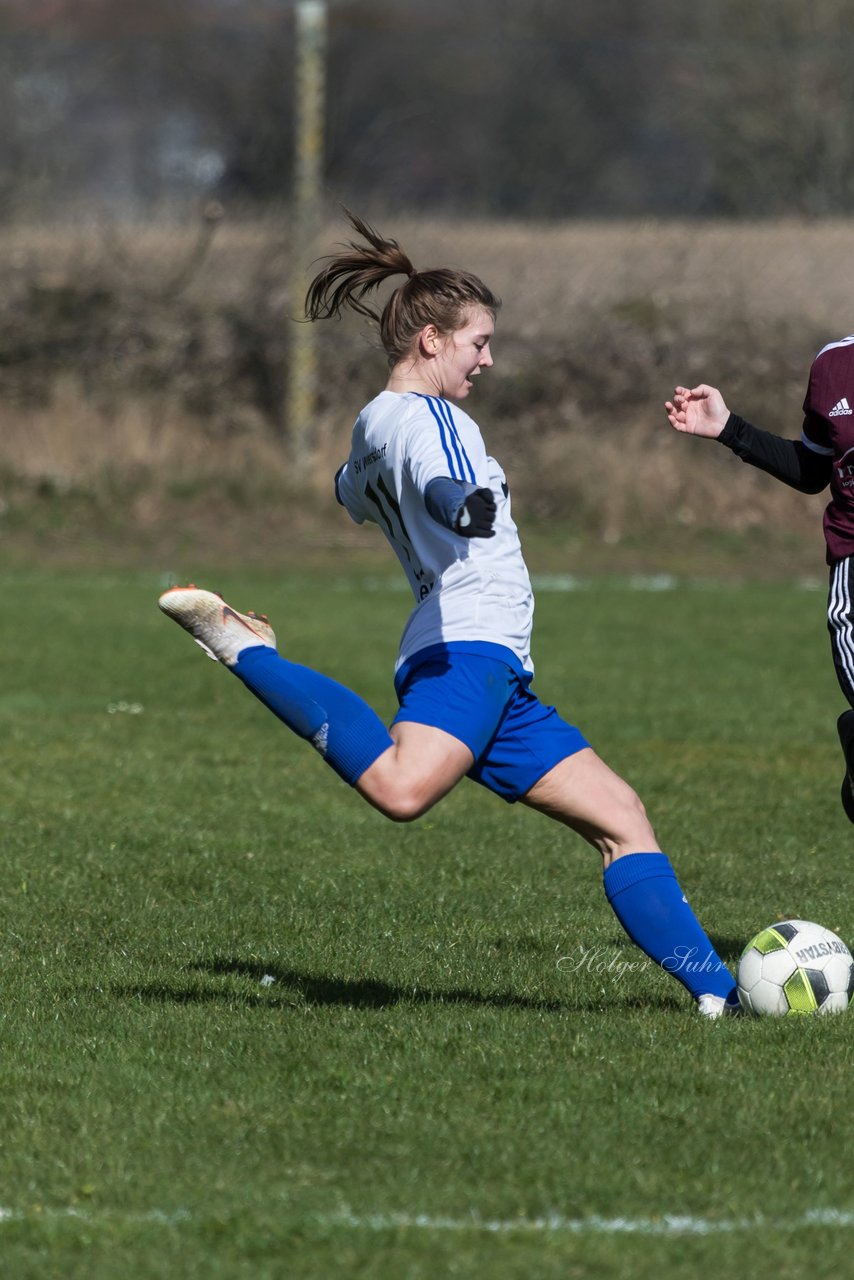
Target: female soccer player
(418, 469)
(823, 456)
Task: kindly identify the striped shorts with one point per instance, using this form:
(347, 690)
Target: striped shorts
(840, 623)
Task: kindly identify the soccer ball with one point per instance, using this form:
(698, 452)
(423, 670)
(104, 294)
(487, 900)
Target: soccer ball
(795, 966)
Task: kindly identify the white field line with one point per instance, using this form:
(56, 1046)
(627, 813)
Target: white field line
(666, 1225)
(43, 1213)
(674, 1225)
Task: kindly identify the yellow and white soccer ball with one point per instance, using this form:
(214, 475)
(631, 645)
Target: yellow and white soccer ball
(795, 966)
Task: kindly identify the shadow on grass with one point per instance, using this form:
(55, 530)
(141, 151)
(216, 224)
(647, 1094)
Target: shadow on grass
(373, 993)
(297, 989)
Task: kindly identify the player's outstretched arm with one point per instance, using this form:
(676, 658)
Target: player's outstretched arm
(697, 411)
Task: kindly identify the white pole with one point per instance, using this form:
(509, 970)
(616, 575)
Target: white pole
(308, 172)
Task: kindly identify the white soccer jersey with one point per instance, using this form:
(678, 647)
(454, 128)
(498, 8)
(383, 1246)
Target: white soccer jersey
(466, 589)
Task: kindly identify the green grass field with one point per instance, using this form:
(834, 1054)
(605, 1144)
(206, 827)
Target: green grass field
(252, 1029)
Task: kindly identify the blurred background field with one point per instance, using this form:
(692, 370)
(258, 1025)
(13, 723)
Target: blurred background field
(159, 416)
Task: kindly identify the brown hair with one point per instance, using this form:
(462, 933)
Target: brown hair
(439, 296)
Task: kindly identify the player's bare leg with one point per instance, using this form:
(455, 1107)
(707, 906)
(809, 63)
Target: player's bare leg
(586, 795)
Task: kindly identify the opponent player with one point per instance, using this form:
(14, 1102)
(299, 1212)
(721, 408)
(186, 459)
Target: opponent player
(823, 456)
(418, 469)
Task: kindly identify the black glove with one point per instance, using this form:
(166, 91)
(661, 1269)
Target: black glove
(476, 516)
(461, 507)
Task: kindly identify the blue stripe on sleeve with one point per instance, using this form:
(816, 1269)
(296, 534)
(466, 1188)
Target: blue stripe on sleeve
(442, 435)
(446, 409)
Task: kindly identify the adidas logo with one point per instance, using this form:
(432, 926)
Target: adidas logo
(840, 409)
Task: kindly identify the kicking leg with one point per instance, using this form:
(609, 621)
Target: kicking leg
(401, 773)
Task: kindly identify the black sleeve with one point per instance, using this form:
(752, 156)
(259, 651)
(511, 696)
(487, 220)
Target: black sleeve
(787, 460)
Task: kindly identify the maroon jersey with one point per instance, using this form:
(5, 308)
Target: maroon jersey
(829, 430)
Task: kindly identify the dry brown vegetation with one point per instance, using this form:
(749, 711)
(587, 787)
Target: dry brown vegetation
(143, 382)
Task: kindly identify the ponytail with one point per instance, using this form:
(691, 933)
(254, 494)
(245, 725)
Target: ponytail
(439, 296)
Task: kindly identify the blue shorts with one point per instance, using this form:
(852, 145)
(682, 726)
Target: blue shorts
(485, 702)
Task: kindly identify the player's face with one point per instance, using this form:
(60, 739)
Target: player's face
(464, 353)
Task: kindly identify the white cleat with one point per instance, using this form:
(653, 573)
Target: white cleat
(710, 1006)
(221, 631)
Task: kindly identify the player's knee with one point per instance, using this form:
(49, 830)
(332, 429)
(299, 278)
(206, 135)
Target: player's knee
(634, 822)
(405, 809)
(627, 825)
(401, 801)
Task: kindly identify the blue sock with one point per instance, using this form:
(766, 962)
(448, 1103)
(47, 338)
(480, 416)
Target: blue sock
(343, 728)
(648, 902)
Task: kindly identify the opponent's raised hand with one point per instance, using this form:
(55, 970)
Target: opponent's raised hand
(697, 411)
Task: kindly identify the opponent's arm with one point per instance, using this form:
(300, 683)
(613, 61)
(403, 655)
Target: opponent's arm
(787, 460)
(701, 411)
(464, 508)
